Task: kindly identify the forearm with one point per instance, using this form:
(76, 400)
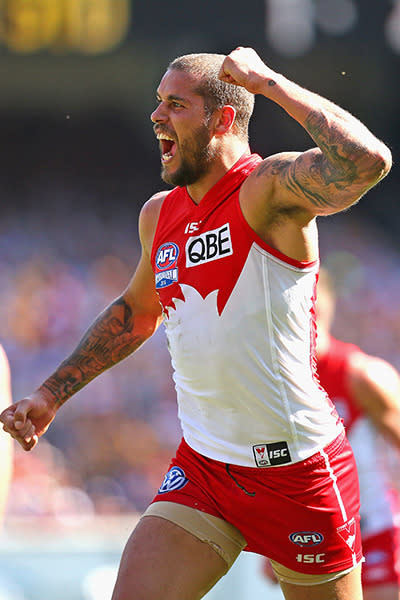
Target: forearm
(115, 334)
(352, 152)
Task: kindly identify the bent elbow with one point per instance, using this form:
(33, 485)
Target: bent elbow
(381, 162)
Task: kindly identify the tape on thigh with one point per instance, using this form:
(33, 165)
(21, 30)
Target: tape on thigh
(296, 578)
(223, 537)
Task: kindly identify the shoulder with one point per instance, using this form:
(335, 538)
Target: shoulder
(148, 218)
(269, 189)
(151, 209)
(272, 167)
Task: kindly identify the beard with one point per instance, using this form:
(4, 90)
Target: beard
(196, 156)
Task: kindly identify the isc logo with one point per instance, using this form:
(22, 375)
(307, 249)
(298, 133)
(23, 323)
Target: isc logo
(306, 538)
(276, 453)
(311, 558)
(209, 246)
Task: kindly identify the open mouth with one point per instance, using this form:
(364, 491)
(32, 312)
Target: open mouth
(167, 146)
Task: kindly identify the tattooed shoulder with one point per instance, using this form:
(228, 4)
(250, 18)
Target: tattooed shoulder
(273, 166)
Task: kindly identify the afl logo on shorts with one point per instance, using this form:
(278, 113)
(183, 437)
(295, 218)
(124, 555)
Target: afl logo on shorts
(175, 479)
(306, 538)
(166, 260)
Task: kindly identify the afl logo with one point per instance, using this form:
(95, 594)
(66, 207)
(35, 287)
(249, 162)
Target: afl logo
(175, 479)
(166, 256)
(306, 538)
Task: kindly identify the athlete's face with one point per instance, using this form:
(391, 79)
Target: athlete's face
(183, 130)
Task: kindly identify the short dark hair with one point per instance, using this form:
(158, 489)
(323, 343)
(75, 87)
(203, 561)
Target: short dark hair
(216, 93)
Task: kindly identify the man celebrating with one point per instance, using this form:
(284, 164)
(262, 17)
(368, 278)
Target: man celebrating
(229, 263)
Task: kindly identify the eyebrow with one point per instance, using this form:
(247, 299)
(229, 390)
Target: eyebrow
(172, 97)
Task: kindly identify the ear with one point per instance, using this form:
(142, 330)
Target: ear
(225, 120)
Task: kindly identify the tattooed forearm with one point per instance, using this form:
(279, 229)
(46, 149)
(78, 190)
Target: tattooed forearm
(109, 340)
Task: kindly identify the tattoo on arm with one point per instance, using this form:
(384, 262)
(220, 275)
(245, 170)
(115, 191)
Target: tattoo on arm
(340, 165)
(109, 340)
(331, 169)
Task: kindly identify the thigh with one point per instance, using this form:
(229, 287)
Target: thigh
(347, 587)
(162, 561)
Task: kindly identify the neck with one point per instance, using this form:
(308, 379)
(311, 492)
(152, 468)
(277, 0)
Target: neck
(223, 162)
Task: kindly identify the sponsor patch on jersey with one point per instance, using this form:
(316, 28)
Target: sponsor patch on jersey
(175, 479)
(166, 260)
(267, 455)
(306, 538)
(209, 246)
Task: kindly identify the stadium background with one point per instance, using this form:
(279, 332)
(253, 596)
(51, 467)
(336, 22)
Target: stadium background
(78, 159)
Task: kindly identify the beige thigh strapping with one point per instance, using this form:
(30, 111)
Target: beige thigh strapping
(223, 537)
(296, 578)
(227, 540)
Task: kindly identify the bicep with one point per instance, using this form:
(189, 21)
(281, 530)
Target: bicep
(141, 293)
(309, 182)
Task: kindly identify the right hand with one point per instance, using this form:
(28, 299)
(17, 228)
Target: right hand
(27, 420)
(244, 67)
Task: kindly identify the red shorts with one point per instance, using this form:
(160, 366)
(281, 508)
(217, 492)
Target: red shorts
(304, 515)
(382, 560)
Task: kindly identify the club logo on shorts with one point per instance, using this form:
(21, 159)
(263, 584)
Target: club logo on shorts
(166, 260)
(267, 455)
(306, 538)
(348, 533)
(175, 479)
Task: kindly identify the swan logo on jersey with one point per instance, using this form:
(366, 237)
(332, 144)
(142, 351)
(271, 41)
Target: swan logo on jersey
(208, 246)
(166, 269)
(175, 479)
(306, 538)
(267, 455)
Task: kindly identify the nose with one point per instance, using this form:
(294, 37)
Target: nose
(158, 114)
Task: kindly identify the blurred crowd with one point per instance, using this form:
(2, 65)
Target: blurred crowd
(110, 444)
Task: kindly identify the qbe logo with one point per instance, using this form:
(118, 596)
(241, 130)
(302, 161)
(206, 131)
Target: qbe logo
(166, 260)
(306, 538)
(209, 246)
(267, 455)
(175, 479)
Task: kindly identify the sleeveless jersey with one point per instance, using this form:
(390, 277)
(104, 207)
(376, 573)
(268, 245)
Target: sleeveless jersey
(240, 323)
(376, 497)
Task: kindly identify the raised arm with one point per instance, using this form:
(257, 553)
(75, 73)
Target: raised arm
(348, 161)
(117, 332)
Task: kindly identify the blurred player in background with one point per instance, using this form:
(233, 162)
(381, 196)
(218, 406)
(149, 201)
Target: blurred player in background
(366, 392)
(230, 262)
(6, 445)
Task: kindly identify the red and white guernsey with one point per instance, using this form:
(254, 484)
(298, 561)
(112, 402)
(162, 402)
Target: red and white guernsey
(240, 324)
(376, 496)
